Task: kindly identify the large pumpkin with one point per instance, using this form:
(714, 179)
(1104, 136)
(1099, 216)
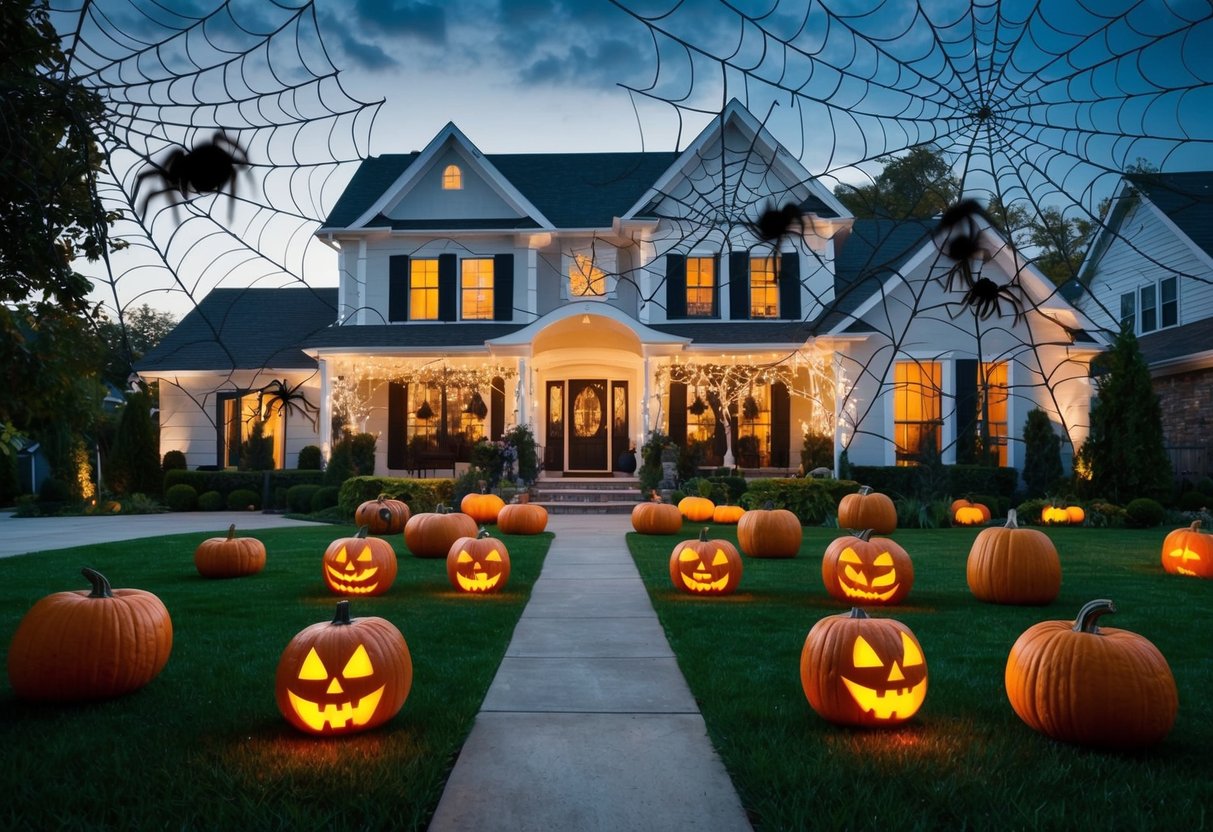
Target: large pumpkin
(1054, 516)
(483, 507)
(656, 517)
(382, 515)
(967, 513)
(229, 557)
(81, 644)
(727, 515)
(863, 671)
(705, 567)
(1010, 565)
(522, 518)
(769, 533)
(478, 564)
(359, 565)
(1188, 552)
(343, 676)
(867, 509)
(862, 569)
(1090, 685)
(696, 509)
(431, 533)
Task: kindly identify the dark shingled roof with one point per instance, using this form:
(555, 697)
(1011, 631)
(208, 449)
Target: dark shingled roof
(245, 329)
(1186, 198)
(1177, 342)
(412, 335)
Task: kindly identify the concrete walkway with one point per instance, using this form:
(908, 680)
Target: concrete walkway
(588, 724)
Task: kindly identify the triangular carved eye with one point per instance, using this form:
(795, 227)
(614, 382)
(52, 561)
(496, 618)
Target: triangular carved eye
(849, 556)
(341, 556)
(910, 652)
(359, 665)
(863, 655)
(721, 558)
(494, 556)
(689, 555)
(366, 555)
(883, 559)
(463, 557)
(313, 669)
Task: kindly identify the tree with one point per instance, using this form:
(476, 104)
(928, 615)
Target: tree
(1042, 454)
(918, 184)
(128, 340)
(134, 464)
(1125, 452)
(1063, 242)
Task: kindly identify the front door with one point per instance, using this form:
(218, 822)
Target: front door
(588, 418)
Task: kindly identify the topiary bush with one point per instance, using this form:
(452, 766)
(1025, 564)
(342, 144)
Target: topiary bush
(310, 458)
(1144, 513)
(243, 498)
(1194, 501)
(326, 496)
(209, 501)
(810, 500)
(181, 498)
(174, 461)
(1029, 511)
(299, 498)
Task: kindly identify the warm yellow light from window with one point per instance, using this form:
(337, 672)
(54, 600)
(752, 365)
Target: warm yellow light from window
(993, 381)
(452, 178)
(423, 290)
(586, 279)
(701, 283)
(476, 285)
(916, 406)
(764, 292)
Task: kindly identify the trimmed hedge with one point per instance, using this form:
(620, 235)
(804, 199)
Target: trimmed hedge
(210, 501)
(813, 501)
(181, 497)
(325, 498)
(243, 498)
(299, 497)
(420, 495)
(225, 482)
(962, 480)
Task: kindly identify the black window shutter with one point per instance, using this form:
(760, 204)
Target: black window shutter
(675, 286)
(781, 425)
(789, 286)
(739, 285)
(448, 285)
(678, 413)
(397, 410)
(503, 287)
(398, 287)
(966, 409)
(716, 288)
(497, 407)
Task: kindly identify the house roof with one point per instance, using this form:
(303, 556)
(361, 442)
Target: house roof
(1186, 199)
(245, 329)
(1177, 342)
(396, 336)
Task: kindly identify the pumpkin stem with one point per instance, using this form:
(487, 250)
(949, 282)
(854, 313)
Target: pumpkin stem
(442, 508)
(865, 490)
(703, 535)
(1195, 527)
(483, 533)
(1012, 519)
(231, 532)
(382, 497)
(1092, 610)
(865, 535)
(101, 586)
(769, 505)
(856, 612)
(342, 616)
(363, 532)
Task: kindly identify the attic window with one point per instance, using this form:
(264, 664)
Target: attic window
(452, 178)
(585, 278)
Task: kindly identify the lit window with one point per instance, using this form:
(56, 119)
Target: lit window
(701, 287)
(586, 279)
(423, 289)
(1168, 291)
(1128, 311)
(916, 409)
(476, 288)
(992, 408)
(764, 292)
(452, 178)
(1149, 309)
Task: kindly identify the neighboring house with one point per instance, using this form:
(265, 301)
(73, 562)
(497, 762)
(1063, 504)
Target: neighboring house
(1151, 268)
(600, 297)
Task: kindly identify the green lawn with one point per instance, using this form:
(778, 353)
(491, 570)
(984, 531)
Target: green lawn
(966, 760)
(203, 745)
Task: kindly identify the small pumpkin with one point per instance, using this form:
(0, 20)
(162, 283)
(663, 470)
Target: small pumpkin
(655, 517)
(967, 513)
(696, 509)
(229, 557)
(867, 509)
(359, 565)
(1054, 516)
(431, 533)
(727, 515)
(1090, 685)
(1010, 565)
(1188, 552)
(81, 645)
(769, 533)
(483, 507)
(862, 671)
(522, 518)
(478, 564)
(343, 676)
(382, 515)
(862, 569)
(1077, 515)
(705, 567)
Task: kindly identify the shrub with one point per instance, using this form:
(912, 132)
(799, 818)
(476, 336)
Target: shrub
(1205, 486)
(1194, 501)
(140, 504)
(810, 500)
(706, 487)
(913, 513)
(1103, 514)
(1029, 511)
(420, 495)
(210, 501)
(817, 451)
(243, 498)
(299, 498)
(310, 458)
(469, 483)
(54, 491)
(526, 452)
(174, 461)
(352, 456)
(1144, 513)
(1042, 454)
(257, 452)
(325, 497)
(134, 462)
(181, 498)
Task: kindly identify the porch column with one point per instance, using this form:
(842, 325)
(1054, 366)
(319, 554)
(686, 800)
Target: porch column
(326, 409)
(522, 398)
(645, 428)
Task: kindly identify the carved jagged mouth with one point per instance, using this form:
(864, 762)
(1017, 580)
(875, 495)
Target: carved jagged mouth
(889, 703)
(341, 580)
(479, 582)
(864, 595)
(702, 582)
(1180, 570)
(336, 716)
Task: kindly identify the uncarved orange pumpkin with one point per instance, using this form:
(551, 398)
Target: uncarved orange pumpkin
(229, 557)
(1010, 565)
(382, 515)
(522, 518)
(696, 509)
(482, 508)
(656, 518)
(867, 509)
(705, 566)
(727, 515)
(1077, 515)
(431, 533)
(82, 645)
(769, 533)
(1090, 685)
(359, 565)
(1188, 552)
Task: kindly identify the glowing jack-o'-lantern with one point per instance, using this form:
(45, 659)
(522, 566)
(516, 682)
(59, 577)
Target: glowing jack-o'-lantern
(478, 564)
(696, 509)
(967, 513)
(863, 569)
(1054, 516)
(359, 565)
(705, 567)
(1188, 552)
(863, 671)
(343, 676)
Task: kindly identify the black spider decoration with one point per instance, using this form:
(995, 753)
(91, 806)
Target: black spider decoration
(773, 224)
(958, 237)
(984, 298)
(208, 168)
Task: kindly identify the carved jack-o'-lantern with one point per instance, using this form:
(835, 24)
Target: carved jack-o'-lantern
(705, 567)
(1188, 552)
(345, 676)
(359, 565)
(478, 564)
(863, 671)
(867, 570)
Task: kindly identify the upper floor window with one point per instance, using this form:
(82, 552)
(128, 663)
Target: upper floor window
(585, 278)
(476, 289)
(1128, 311)
(917, 411)
(452, 178)
(701, 287)
(1168, 292)
(1152, 307)
(423, 289)
(764, 290)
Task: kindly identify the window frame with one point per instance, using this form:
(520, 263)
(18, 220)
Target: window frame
(931, 371)
(486, 267)
(452, 178)
(1147, 317)
(423, 293)
(764, 266)
(1128, 319)
(694, 265)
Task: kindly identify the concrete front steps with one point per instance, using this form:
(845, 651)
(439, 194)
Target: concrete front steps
(586, 495)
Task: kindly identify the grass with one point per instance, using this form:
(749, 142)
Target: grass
(966, 761)
(203, 745)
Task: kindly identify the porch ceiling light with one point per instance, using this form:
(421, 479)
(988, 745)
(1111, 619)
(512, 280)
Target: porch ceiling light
(585, 319)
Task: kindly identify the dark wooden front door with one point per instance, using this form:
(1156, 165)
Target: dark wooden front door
(588, 419)
(553, 447)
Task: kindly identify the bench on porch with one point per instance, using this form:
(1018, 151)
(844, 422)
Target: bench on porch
(433, 461)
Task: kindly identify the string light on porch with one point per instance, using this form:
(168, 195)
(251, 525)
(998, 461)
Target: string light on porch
(357, 383)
